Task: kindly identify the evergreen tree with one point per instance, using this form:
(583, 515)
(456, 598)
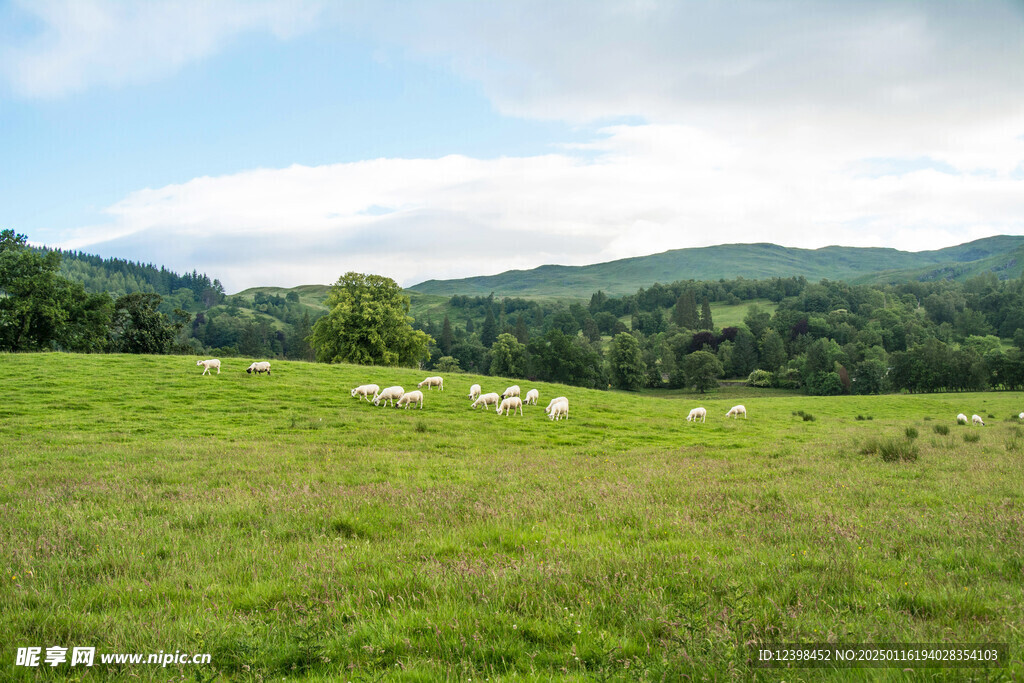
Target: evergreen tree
(522, 334)
(447, 338)
(685, 312)
(705, 315)
(773, 351)
(489, 332)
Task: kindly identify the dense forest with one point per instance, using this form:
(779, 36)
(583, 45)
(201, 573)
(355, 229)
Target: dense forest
(823, 338)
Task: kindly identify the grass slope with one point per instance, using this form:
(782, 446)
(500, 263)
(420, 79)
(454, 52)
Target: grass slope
(292, 531)
(728, 261)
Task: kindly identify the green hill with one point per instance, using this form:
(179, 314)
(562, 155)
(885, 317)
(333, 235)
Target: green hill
(1003, 255)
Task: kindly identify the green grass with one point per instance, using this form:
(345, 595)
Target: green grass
(292, 531)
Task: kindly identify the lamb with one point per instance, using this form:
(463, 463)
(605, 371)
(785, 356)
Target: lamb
(259, 368)
(207, 364)
(558, 408)
(531, 397)
(390, 394)
(365, 391)
(736, 411)
(509, 405)
(486, 400)
(432, 382)
(976, 419)
(961, 419)
(697, 414)
(511, 391)
(474, 391)
(410, 398)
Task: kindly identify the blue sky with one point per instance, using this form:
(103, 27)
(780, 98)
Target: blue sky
(272, 143)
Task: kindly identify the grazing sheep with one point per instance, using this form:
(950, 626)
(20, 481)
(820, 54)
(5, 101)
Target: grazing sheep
(961, 419)
(558, 408)
(976, 419)
(259, 368)
(511, 391)
(365, 391)
(531, 397)
(207, 364)
(409, 398)
(432, 382)
(697, 414)
(474, 391)
(1021, 416)
(509, 405)
(736, 411)
(390, 394)
(486, 400)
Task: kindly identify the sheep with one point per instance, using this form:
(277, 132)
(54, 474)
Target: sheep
(486, 400)
(736, 411)
(432, 382)
(961, 419)
(531, 397)
(365, 391)
(558, 408)
(509, 405)
(410, 398)
(1021, 416)
(511, 391)
(390, 394)
(697, 414)
(474, 391)
(976, 419)
(259, 368)
(207, 364)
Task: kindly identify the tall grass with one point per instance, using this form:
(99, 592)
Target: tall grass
(292, 531)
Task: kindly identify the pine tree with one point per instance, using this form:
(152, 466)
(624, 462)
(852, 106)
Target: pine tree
(489, 332)
(685, 313)
(447, 338)
(705, 315)
(522, 334)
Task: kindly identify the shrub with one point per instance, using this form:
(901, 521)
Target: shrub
(808, 417)
(911, 432)
(973, 437)
(941, 429)
(760, 378)
(894, 450)
(861, 417)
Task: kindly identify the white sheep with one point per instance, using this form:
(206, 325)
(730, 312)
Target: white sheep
(410, 398)
(259, 368)
(697, 414)
(558, 408)
(432, 382)
(474, 391)
(509, 405)
(531, 397)
(1021, 416)
(976, 419)
(736, 411)
(961, 419)
(390, 394)
(485, 400)
(365, 391)
(511, 391)
(207, 364)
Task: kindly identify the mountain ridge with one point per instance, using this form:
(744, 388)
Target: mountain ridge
(1000, 254)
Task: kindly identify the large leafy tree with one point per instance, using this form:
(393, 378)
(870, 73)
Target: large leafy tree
(138, 326)
(701, 369)
(41, 310)
(626, 363)
(508, 357)
(368, 324)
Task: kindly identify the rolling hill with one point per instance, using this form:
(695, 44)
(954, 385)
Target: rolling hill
(1002, 255)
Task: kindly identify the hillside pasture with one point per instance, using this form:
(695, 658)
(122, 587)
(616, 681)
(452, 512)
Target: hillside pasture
(290, 530)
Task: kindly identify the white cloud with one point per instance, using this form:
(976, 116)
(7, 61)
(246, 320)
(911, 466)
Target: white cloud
(637, 190)
(82, 43)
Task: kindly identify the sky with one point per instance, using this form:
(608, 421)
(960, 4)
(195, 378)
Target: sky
(273, 143)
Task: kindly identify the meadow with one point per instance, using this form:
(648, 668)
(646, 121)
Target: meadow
(292, 531)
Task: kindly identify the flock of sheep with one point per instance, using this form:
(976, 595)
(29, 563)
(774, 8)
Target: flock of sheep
(510, 400)
(961, 419)
(701, 415)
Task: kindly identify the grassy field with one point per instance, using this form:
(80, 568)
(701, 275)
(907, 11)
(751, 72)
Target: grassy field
(292, 531)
